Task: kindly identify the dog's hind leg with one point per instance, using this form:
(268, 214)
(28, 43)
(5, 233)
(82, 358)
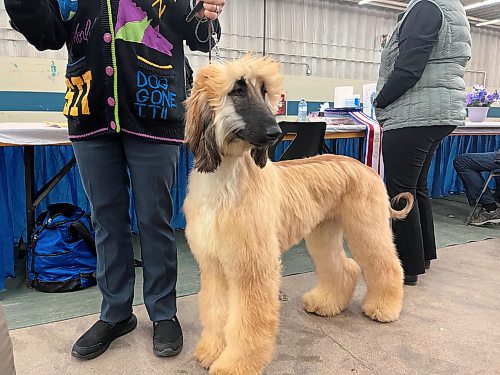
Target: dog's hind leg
(337, 274)
(213, 311)
(253, 315)
(369, 237)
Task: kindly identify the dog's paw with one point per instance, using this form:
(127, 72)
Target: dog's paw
(382, 311)
(230, 364)
(219, 368)
(207, 353)
(384, 306)
(323, 303)
(219, 371)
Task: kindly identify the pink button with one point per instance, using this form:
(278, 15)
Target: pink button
(113, 125)
(107, 37)
(109, 70)
(111, 102)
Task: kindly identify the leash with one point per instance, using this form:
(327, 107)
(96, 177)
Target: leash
(215, 40)
(212, 38)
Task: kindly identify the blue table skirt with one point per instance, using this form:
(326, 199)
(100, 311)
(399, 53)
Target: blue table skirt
(48, 160)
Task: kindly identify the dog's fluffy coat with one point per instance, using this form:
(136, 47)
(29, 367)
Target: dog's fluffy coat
(244, 213)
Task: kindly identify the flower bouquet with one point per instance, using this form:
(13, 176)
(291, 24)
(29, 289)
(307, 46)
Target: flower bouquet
(479, 102)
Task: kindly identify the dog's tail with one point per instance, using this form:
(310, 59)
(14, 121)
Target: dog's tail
(403, 213)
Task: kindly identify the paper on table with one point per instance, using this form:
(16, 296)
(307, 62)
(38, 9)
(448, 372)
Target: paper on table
(341, 94)
(369, 93)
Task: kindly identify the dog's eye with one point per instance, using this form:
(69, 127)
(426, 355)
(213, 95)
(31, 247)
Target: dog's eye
(239, 89)
(263, 91)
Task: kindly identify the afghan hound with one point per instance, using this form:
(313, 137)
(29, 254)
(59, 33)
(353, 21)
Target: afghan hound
(242, 212)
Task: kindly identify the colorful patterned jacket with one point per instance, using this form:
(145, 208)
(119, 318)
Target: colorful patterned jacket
(125, 61)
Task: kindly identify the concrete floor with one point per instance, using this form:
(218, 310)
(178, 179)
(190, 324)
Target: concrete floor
(449, 325)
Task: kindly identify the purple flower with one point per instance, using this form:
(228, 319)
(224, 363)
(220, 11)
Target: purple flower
(480, 97)
(470, 98)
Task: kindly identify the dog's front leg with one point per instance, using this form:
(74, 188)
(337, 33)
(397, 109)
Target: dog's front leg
(253, 315)
(213, 311)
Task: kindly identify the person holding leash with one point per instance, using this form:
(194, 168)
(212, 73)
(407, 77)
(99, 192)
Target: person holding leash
(125, 88)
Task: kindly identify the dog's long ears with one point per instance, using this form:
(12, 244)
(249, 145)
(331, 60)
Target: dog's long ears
(259, 155)
(206, 153)
(200, 133)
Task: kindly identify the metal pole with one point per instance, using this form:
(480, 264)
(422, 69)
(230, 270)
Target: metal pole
(29, 182)
(265, 31)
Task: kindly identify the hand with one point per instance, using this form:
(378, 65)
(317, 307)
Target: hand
(211, 9)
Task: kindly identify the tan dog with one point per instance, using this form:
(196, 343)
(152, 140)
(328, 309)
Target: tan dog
(242, 213)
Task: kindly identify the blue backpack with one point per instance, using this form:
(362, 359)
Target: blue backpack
(62, 255)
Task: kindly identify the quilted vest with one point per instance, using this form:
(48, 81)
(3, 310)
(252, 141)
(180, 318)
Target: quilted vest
(439, 96)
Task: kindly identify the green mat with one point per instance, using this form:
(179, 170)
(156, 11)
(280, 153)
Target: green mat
(25, 307)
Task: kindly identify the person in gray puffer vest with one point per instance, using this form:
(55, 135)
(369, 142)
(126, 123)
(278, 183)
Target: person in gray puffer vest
(421, 99)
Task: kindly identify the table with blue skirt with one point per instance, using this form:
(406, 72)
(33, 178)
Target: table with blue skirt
(49, 160)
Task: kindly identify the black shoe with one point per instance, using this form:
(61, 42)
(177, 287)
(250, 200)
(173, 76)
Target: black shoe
(427, 264)
(411, 280)
(97, 339)
(167, 338)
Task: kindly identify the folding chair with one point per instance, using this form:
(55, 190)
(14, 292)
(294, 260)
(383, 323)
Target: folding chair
(308, 141)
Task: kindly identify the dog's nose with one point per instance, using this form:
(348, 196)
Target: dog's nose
(273, 133)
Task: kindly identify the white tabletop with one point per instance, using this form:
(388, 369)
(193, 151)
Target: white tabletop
(42, 134)
(478, 128)
(345, 128)
(33, 134)
(490, 124)
(470, 128)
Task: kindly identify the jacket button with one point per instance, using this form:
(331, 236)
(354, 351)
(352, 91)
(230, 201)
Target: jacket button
(109, 71)
(112, 124)
(107, 37)
(111, 102)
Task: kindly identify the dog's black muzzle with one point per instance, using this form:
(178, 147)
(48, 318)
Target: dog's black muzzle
(261, 128)
(262, 133)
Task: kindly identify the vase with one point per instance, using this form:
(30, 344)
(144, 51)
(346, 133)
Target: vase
(477, 114)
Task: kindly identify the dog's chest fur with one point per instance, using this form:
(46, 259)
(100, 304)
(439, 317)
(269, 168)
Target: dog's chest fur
(221, 188)
(211, 199)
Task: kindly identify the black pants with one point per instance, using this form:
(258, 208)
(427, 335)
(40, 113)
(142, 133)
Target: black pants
(408, 153)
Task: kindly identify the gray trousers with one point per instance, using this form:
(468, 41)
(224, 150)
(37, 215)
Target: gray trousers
(109, 165)
(6, 355)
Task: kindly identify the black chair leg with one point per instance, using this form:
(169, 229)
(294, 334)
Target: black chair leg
(334, 146)
(326, 149)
